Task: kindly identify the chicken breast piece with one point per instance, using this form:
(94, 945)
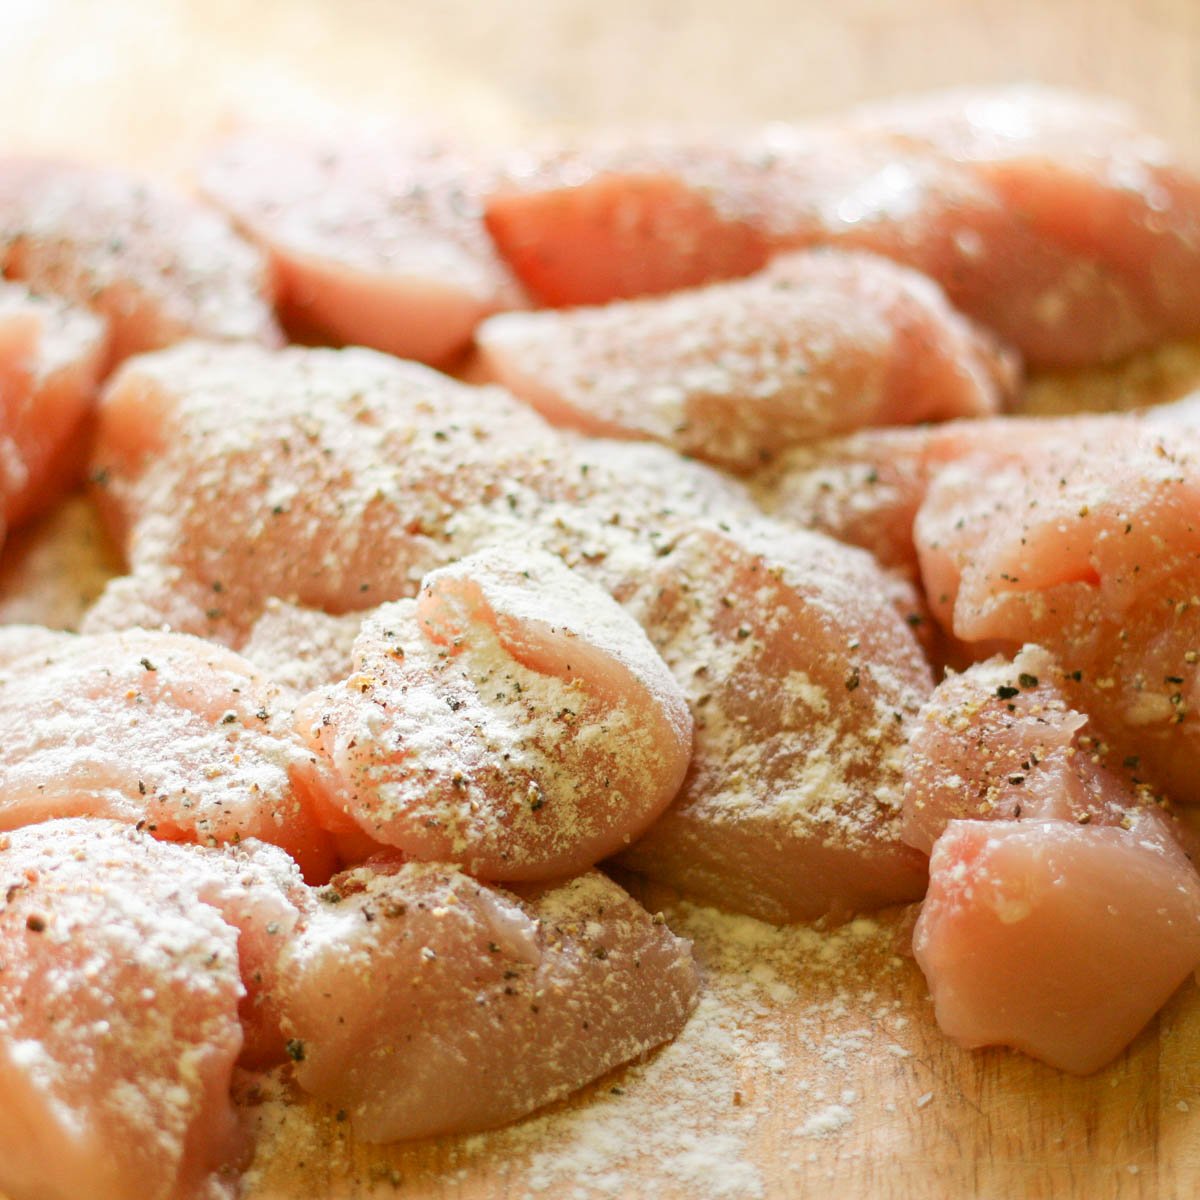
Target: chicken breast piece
(165, 731)
(119, 1017)
(330, 485)
(819, 343)
(421, 1001)
(1002, 741)
(802, 676)
(1086, 542)
(1057, 939)
(513, 720)
(375, 241)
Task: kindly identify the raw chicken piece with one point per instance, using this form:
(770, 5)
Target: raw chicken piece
(1086, 542)
(821, 342)
(1047, 216)
(50, 359)
(425, 1002)
(159, 266)
(1058, 939)
(612, 222)
(512, 720)
(163, 730)
(53, 570)
(119, 1011)
(1002, 741)
(342, 477)
(330, 485)
(376, 242)
(802, 677)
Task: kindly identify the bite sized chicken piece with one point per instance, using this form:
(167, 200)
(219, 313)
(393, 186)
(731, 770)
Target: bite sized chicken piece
(1058, 939)
(375, 241)
(425, 1002)
(819, 343)
(1047, 216)
(1086, 542)
(613, 221)
(802, 677)
(157, 265)
(51, 355)
(1002, 741)
(331, 484)
(119, 1017)
(176, 735)
(513, 720)
(340, 478)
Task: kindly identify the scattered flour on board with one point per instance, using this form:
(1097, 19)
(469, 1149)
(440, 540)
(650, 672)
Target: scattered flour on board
(787, 1027)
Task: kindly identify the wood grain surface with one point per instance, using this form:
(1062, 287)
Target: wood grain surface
(817, 1070)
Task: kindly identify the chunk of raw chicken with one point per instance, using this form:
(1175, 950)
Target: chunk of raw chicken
(119, 1016)
(802, 676)
(1049, 217)
(1003, 741)
(330, 485)
(375, 241)
(513, 720)
(1087, 542)
(421, 1001)
(174, 734)
(821, 342)
(1058, 939)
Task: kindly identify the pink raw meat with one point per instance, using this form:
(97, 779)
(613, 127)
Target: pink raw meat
(421, 1001)
(512, 720)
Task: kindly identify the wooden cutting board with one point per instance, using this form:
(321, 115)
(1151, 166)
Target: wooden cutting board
(813, 1067)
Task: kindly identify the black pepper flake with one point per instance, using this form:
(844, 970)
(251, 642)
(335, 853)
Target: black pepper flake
(35, 924)
(743, 631)
(147, 665)
(1027, 681)
(1005, 692)
(295, 1049)
(600, 952)
(1016, 780)
(453, 703)
(1132, 761)
(852, 680)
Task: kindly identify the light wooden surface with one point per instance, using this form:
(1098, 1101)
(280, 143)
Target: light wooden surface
(810, 1075)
